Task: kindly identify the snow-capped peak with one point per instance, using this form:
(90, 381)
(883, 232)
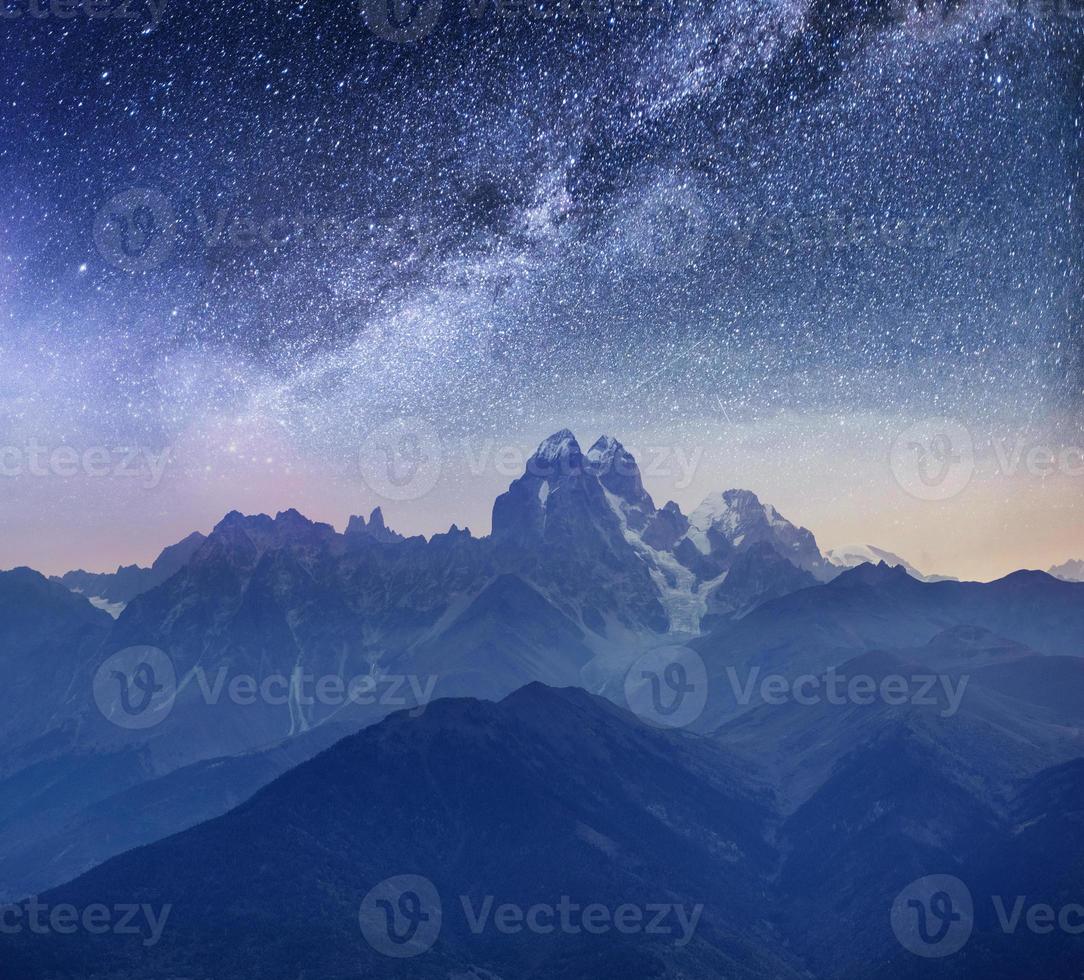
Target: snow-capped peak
(604, 449)
(727, 509)
(736, 519)
(560, 445)
(852, 555)
(849, 555)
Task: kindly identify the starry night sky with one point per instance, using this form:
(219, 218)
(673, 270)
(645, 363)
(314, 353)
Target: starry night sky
(767, 236)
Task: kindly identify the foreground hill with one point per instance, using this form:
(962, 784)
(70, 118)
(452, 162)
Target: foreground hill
(548, 794)
(420, 828)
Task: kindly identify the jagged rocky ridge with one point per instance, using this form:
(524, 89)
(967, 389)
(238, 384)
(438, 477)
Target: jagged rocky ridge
(853, 555)
(113, 590)
(568, 510)
(582, 571)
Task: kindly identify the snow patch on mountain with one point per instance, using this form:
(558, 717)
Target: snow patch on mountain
(100, 602)
(850, 555)
(729, 509)
(558, 446)
(736, 520)
(683, 601)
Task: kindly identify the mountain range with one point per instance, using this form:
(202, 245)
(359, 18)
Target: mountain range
(112, 591)
(853, 555)
(482, 651)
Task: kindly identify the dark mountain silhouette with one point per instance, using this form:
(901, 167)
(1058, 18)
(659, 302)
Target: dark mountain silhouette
(556, 792)
(66, 834)
(549, 793)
